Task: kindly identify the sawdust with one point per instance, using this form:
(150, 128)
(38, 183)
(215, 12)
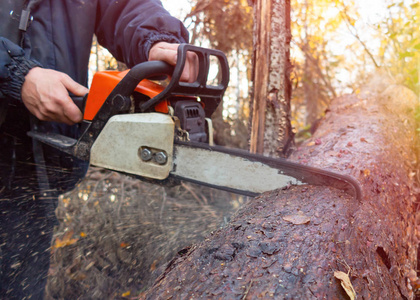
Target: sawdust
(116, 233)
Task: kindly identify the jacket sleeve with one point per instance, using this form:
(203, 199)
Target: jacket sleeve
(13, 68)
(129, 28)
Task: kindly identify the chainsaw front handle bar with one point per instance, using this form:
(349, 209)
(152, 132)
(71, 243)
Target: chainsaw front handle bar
(148, 69)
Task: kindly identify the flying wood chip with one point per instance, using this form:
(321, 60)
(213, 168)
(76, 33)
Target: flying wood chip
(345, 283)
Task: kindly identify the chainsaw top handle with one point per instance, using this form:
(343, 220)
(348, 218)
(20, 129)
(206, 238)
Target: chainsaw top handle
(211, 95)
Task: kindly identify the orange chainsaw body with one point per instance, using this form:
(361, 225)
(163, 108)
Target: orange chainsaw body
(105, 81)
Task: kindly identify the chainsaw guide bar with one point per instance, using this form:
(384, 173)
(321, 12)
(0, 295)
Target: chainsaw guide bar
(242, 172)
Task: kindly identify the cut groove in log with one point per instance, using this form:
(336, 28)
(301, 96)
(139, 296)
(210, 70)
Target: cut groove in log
(288, 244)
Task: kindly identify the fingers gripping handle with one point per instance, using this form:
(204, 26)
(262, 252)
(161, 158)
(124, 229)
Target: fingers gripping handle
(198, 88)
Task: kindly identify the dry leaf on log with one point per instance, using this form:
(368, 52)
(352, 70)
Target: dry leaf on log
(346, 283)
(297, 219)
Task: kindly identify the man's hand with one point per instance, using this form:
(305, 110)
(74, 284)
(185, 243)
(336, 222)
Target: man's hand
(45, 94)
(168, 53)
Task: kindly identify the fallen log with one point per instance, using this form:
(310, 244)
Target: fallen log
(316, 242)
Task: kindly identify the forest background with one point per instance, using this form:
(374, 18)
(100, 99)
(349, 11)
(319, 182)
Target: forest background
(336, 46)
(117, 233)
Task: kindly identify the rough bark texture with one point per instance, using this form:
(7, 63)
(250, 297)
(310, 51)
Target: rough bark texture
(287, 244)
(271, 131)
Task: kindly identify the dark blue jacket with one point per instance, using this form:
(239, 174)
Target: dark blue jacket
(60, 38)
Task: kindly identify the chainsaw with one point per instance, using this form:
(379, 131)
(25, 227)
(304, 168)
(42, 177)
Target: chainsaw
(135, 125)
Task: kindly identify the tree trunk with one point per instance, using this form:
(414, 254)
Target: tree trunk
(311, 94)
(292, 243)
(271, 130)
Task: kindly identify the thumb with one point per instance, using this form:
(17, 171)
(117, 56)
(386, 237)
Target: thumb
(74, 87)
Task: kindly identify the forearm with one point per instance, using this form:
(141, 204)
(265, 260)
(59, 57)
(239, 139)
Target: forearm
(14, 66)
(129, 28)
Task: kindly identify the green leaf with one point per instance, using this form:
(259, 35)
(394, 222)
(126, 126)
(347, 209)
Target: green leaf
(392, 35)
(406, 54)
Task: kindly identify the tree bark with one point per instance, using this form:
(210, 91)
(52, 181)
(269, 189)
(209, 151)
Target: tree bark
(289, 243)
(271, 130)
